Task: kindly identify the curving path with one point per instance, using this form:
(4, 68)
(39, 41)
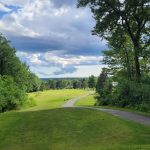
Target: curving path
(145, 120)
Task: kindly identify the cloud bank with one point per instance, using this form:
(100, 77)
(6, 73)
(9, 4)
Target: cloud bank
(51, 34)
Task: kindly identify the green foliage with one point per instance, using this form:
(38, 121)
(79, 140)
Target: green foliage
(116, 19)
(125, 25)
(72, 83)
(15, 78)
(132, 94)
(11, 96)
(103, 88)
(76, 84)
(34, 83)
(127, 93)
(92, 82)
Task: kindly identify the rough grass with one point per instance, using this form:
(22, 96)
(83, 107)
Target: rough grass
(68, 128)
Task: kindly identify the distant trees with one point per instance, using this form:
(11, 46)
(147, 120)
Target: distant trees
(73, 83)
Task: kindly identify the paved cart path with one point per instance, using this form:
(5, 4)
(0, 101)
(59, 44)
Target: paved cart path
(145, 120)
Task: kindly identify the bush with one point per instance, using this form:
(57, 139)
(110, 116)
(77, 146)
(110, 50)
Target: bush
(30, 102)
(127, 93)
(132, 94)
(11, 96)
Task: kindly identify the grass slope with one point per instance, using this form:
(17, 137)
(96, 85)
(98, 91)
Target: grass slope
(68, 128)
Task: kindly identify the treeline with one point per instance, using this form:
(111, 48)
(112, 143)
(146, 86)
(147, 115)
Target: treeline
(126, 27)
(15, 78)
(78, 83)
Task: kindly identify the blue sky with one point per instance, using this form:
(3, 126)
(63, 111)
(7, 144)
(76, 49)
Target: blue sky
(52, 36)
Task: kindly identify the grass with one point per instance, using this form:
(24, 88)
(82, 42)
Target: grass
(52, 98)
(86, 101)
(68, 128)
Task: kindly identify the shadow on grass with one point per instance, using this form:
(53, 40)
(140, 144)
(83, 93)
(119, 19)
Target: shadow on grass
(69, 128)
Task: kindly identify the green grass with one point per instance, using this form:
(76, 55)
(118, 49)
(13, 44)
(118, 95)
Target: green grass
(86, 101)
(49, 127)
(53, 98)
(70, 129)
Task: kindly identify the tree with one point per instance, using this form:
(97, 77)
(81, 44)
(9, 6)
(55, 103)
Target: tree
(15, 78)
(101, 81)
(34, 83)
(103, 88)
(11, 65)
(52, 84)
(119, 58)
(84, 83)
(76, 84)
(91, 82)
(131, 17)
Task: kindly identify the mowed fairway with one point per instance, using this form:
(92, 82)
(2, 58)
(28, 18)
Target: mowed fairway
(53, 98)
(49, 127)
(86, 101)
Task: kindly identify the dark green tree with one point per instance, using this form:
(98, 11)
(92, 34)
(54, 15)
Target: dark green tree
(52, 84)
(84, 83)
(76, 84)
(91, 82)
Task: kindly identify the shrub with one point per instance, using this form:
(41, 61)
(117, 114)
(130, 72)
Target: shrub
(132, 94)
(11, 96)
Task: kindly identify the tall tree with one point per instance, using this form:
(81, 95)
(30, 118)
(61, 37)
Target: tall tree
(92, 82)
(129, 16)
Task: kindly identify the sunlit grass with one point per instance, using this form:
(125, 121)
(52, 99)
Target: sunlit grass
(53, 98)
(86, 101)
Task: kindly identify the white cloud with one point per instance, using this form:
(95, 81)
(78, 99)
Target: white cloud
(14, 2)
(65, 30)
(49, 58)
(4, 8)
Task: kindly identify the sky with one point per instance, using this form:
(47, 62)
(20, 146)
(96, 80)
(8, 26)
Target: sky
(53, 37)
